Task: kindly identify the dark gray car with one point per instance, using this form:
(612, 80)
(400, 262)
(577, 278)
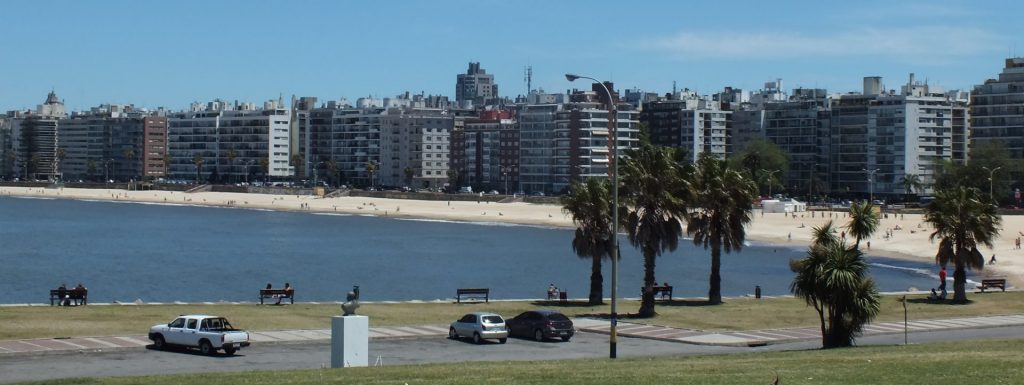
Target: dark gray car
(541, 325)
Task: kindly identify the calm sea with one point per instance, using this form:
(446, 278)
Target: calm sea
(161, 253)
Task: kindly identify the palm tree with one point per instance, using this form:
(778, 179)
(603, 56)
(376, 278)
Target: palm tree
(231, 155)
(129, 156)
(962, 219)
(371, 168)
(90, 168)
(863, 221)
(911, 183)
(61, 154)
(198, 161)
(408, 176)
(334, 170)
(833, 279)
(297, 165)
(656, 194)
(265, 166)
(724, 199)
(590, 205)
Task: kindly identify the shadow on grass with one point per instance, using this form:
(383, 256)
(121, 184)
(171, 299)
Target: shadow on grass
(557, 303)
(927, 301)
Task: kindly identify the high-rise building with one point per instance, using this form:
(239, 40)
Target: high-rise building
(475, 87)
(878, 137)
(997, 110)
(154, 147)
(34, 140)
(340, 139)
(485, 151)
(563, 143)
(227, 143)
(690, 122)
(414, 149)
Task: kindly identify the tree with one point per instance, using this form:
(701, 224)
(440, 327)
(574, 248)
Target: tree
(833, 279)
(656, 194)
(91, 169)
(61, 154)
(863, 221)
(371, 168)
(335, 172)
(231, 155)
(198, 161)
(265, 166)
(723, 201)
(984, 156)
(300, 171)
(590, 204)
(408, 175)
(129, 157)
(453, 180)
(760, 158)
(911, 183)
(962, 220)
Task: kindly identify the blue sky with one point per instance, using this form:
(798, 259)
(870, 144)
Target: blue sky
(170, 53)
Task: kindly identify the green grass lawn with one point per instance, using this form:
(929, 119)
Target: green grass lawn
(735, 314)
(961, 363)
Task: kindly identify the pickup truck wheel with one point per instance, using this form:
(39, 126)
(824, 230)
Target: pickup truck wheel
(159, 343)
(230, 351)
(502, 340)
(206, 348)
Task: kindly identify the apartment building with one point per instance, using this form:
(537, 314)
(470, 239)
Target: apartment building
(226, 143)
(414, 148)
(475, 87)
(105, 143)
(347, 138)
(878, 137)
(695, 124)
(997, 111)
(485, 152)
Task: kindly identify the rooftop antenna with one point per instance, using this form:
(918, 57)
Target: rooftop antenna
(528, 77)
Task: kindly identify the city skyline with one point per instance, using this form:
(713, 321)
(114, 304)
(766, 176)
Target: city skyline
(152, 55)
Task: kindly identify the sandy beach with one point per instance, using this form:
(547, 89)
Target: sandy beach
(909, 238)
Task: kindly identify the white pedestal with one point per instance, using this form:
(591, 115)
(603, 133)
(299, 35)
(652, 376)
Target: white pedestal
(350, 337)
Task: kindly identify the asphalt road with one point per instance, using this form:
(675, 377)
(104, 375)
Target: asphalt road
(142, 361)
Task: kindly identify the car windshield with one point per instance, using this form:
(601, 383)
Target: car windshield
(557, 317)
(492, 319)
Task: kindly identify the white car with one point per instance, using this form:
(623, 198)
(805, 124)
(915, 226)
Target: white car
(208, 333)
(480, 326)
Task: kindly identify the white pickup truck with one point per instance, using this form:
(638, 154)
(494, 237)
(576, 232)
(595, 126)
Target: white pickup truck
(208, 333)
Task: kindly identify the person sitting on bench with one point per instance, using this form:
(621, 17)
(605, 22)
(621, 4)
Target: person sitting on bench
(288, 293)
(552, 291)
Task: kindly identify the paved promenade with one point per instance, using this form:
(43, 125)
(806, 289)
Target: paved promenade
(626, 329)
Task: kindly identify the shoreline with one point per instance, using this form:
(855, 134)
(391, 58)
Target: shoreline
(909, 239)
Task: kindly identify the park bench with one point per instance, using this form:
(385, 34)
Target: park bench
(74, 296)
(989, 283)
(473, 293)
(276, 293)
(662, 290)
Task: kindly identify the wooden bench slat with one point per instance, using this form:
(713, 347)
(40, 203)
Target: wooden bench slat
(992, 282)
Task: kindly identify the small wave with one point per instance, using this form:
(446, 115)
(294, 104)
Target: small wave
(913, 270)
(493, 224)
(37, 198)
(333, 214)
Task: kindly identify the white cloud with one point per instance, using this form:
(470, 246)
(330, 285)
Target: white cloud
(907, 43)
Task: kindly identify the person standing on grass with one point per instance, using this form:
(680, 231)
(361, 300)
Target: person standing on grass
(942, 282)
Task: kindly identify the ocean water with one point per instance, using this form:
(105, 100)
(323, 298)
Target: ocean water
(159, 253)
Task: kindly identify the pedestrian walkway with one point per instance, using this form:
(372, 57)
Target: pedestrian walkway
(106, 343)
(625, 329)
(774, 336)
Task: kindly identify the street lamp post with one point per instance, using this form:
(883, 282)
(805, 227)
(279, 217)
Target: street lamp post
(247, 163)
(871, 184)
(504, 174)
(771, 175)
(613, 155)
(990, 174)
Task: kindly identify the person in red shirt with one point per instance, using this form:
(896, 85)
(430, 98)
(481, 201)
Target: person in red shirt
(942, 282)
